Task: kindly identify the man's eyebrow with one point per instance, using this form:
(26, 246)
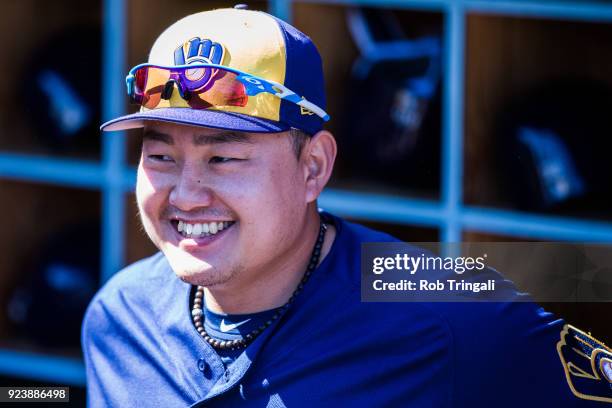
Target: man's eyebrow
(151, 134)
(222, 137)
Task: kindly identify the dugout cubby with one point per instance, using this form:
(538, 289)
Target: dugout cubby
(50, 267)
(50, 108)
(538, 97)
(51, 63)
(373, 157)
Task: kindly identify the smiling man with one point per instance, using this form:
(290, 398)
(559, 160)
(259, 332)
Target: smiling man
(234, 212)
(254, 297)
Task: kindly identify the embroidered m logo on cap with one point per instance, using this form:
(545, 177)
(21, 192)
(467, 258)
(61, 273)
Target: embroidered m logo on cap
(199, 50)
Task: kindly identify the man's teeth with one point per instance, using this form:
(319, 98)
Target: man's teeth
(206, 229)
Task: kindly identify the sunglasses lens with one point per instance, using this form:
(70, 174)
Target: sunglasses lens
(149, 84)
(212, 87)
(202, 87)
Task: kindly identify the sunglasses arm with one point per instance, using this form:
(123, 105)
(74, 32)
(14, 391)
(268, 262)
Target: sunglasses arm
(285, 93)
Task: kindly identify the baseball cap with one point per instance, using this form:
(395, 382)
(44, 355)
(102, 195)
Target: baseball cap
(250, 41)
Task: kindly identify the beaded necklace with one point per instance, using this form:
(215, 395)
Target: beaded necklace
(198, 314)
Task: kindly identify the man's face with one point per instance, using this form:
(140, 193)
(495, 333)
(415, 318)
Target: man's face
(247, 190)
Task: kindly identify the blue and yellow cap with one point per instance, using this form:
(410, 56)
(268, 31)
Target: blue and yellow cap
(250, 41)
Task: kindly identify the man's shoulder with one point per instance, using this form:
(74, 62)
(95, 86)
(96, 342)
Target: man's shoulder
(141, 292)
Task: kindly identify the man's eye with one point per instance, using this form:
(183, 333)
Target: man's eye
(161, 157)
(219, 159)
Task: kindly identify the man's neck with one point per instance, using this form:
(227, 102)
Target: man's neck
(272, 288)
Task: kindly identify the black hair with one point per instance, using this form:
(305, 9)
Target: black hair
(298, 140)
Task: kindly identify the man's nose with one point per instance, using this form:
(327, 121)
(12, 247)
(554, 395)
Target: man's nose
(191, 191)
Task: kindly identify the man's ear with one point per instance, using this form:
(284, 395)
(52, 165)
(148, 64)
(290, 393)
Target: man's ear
(318, 158)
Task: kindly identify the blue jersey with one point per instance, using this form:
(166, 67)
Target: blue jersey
(328, 350)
